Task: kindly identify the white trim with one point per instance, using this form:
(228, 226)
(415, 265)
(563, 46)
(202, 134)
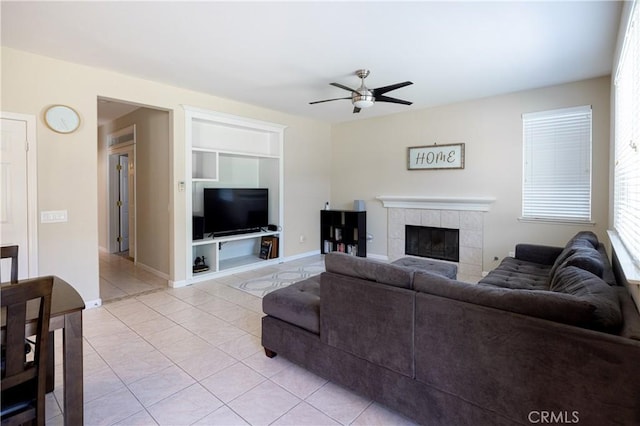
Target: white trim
(152, 270)
(436, 203)
(95, 303)
(556, 221)
(300, 256)
(629, 268)
(233, 120)
(381, 257)
(32, 186)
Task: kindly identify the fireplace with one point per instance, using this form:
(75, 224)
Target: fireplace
(432, 242)
(466, 214)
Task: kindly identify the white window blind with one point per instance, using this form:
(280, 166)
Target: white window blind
(626, 211)
(557, 165)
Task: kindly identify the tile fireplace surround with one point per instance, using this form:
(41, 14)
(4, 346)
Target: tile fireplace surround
(464, 214)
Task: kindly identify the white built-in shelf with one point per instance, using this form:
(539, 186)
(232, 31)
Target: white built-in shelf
(236, 237)
(224, 150)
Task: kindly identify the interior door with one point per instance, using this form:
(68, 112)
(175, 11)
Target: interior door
(123, 204)
(14, 194)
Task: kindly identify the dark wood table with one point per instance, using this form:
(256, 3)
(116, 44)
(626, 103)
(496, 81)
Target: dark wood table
(66, 314)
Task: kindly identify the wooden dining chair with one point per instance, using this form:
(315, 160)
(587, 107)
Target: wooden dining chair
(12, 253)
(23, 382)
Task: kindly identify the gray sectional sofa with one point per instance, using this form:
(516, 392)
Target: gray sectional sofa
(547, 335)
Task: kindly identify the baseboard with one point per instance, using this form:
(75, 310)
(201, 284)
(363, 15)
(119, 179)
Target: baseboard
(90, 304)
(301, 255)
(153, 271)
(178, 284)
(374, 256)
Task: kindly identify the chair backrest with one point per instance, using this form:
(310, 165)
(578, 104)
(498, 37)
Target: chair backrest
(11, 252)
(24, 305)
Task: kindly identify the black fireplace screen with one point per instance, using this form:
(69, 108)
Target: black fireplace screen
(436, 243)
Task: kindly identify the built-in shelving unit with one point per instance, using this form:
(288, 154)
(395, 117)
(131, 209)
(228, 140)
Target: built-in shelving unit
(344, 231)
(227, 151)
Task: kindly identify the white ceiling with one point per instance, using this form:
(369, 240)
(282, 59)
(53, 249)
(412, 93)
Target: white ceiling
(282, 55)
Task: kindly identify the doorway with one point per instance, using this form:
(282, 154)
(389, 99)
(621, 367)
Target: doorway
(134, 198)
(122, 192)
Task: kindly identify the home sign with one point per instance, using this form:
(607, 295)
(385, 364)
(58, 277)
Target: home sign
(434, 157)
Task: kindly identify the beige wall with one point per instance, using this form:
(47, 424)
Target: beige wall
(67, 164)
(369, 159)
(357, 160)
(153, 185)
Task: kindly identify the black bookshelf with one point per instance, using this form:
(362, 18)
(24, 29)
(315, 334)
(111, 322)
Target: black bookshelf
(344, 231)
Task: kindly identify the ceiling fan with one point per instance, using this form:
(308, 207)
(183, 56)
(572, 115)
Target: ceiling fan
(362, 97)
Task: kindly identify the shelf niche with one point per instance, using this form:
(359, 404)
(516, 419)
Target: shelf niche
(226, 151)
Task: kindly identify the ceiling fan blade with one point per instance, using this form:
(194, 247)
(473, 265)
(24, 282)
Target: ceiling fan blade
(391, 100)
(385, 89)
(356, 110)
(327, 100)
(342, 87)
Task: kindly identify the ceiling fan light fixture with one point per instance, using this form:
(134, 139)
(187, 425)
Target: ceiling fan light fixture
(362, 100)
(362, 97)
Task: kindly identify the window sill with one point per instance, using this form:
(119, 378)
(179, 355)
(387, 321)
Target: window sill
(556, 221)
(629, 268)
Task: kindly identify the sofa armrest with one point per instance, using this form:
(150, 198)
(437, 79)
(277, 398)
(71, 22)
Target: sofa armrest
(544, 255)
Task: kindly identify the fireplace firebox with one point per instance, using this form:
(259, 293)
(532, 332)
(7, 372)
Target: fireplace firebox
(435, 243)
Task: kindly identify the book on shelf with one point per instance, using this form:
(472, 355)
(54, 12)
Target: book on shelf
(338, 234)
(273, 253)
(265, 249)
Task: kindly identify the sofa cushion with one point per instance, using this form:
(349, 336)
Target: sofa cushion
(548, 305)
(518, 274)
(585, 286)
(371, 270)
(583, 257)
(583, 239)
(298, 304)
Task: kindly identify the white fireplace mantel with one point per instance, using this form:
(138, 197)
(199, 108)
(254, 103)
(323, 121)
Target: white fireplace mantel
(482, 204)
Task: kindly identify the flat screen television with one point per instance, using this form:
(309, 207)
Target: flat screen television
(230, 211)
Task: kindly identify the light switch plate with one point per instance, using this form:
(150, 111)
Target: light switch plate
(53, 216)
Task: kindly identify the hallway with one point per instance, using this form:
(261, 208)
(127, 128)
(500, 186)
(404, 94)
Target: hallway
(121, 278)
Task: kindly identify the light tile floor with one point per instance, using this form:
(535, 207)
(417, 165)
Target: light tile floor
(192, 355)
(120, 278)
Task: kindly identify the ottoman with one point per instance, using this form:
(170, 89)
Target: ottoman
(445, 269)
(297, 304)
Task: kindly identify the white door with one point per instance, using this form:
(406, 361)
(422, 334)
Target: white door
(124, 202)
(14, 194)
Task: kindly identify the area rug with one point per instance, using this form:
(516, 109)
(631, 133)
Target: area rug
(263, 285)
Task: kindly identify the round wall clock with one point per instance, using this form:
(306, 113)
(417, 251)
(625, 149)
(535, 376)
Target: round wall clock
(62, 119)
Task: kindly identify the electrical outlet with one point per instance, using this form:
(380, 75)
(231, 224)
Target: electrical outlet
(302, 239)
(512, 254)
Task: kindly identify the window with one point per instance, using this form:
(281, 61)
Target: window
(556, 183)
(626, 210)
